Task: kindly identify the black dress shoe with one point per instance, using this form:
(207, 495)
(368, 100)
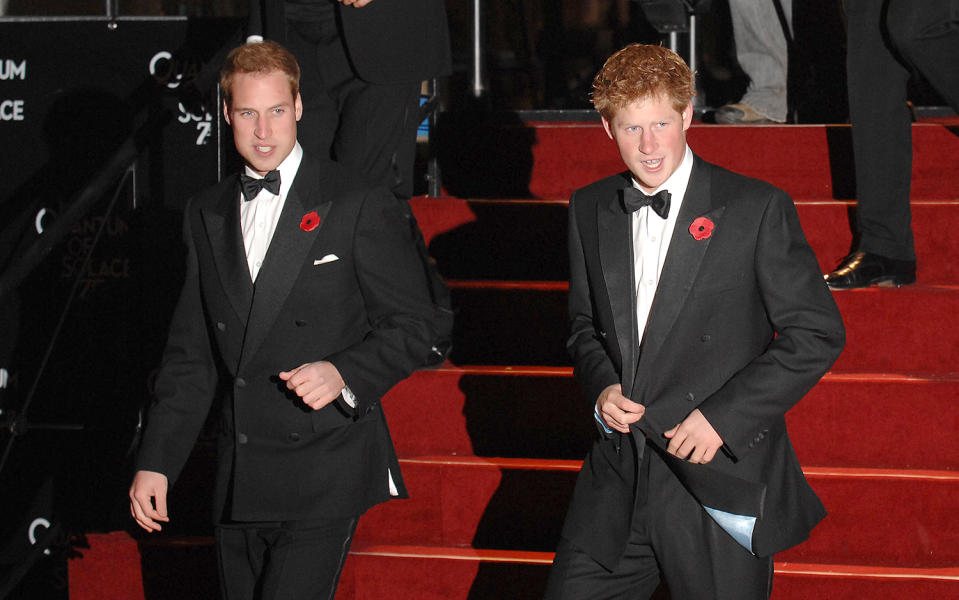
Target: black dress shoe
(863, 269)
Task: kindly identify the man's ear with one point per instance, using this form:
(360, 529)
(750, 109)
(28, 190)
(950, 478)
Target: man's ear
(608, 127)
(298, 106)
(688, 116)
(226, 114)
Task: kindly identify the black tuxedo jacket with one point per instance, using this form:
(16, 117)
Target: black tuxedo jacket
(367, 311)
(741, 327)
(388, 41)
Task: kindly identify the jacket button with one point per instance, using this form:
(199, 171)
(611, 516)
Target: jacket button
(300, 323)
(293, 437)
(221, 325)
(690, 396)
(241, 438)
(240, 382)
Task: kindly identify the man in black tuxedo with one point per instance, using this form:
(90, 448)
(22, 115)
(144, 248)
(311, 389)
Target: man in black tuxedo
(699, 317)
(363, 63)
(304, 302)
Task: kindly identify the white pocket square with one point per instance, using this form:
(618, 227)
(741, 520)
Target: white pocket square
(326, 259)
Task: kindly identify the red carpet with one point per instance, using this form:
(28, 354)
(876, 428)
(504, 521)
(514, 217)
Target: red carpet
(490, 470)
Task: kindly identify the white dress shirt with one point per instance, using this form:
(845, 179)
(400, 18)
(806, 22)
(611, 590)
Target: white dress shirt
(651, 236)
(259, 216)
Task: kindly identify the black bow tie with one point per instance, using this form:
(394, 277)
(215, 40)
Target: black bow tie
(251, 186)
(634, 200)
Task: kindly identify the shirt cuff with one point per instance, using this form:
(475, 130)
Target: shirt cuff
(599, 420)
(349, 397)
(250, 39)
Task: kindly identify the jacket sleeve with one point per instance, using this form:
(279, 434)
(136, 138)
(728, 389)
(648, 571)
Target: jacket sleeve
(186, 382)
(808, 327)
(397, 302)
(255, 22)
(586, 344)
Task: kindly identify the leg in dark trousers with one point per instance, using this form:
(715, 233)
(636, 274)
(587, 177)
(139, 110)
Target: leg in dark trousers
(672, 539)
(285, 561)
(369, 127)
(881, 134)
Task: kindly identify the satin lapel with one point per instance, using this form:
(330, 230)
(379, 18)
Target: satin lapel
(616, 258)
(285, 258)
(222, 222)
(681, 267)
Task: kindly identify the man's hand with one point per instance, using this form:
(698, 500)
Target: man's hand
(694, 438)
(317, 383)
(618, 411)
(356, 3)
(149, 487)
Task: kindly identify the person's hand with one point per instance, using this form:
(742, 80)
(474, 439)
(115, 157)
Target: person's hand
(694, 438)
(356, 3)
(618, 411)
(149, 487)
(316, 383)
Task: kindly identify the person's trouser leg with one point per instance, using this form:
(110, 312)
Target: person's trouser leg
(881, 134)
(762, 54)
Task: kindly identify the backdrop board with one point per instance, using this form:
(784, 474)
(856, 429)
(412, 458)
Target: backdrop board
(131, 105)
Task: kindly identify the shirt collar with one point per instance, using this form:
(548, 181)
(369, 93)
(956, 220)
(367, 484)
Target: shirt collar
(676, 183)
(287, 169)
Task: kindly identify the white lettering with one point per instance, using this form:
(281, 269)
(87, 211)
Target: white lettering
(163, 69)
(204, 128)
(32, 532)
(10, 69)
(11, 110)
(187, 116)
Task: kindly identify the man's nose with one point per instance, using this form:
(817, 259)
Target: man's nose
(646, 143)
(262, 129)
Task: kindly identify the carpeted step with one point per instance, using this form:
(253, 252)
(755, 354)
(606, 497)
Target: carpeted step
(541, 413)
(181, 568)
(442, 573)
(812, 161)
(526, 240)
(907, 520)
(887, 329)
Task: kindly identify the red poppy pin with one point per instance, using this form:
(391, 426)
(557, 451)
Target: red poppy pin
(701, 229)
(310, 221)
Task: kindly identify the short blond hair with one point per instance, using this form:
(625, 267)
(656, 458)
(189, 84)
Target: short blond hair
(258, 57)
(641, 71)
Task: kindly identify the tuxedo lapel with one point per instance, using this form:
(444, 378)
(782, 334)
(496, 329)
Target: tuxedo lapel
(616, 257)
(285, 257)
(222, 222)
(683, 259)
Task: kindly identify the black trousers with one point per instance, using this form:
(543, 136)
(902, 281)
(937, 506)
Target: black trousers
(295, 560)
(672, 540)
(887, 38)
(369, 127)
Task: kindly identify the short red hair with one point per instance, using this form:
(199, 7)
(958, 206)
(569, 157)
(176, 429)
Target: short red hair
(258, 57)
(641, 71)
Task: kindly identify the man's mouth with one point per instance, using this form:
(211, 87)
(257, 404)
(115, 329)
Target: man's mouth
(652, 163)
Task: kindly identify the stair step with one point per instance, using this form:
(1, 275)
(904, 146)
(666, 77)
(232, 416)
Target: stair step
(526, 239)
(411, 572)
(804, 160)
(529, 327)
(908, 520)
(499, 411)
(442, 573)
